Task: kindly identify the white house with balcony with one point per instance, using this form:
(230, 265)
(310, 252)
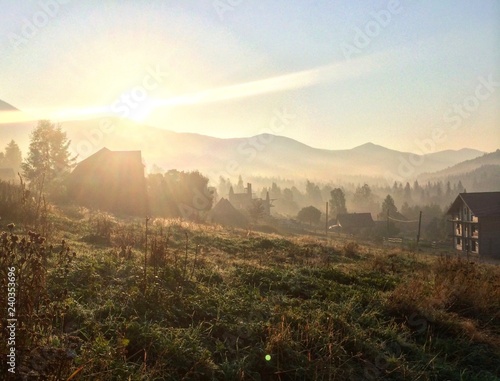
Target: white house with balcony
(475, 219)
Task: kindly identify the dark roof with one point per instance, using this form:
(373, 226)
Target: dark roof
(4, 106)
(110, 180)
(355, 220)
(225, 213)
(480, 203)
(108, 158)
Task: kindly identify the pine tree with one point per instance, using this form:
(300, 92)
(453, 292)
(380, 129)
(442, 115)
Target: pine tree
(407, 192)
(240, 188)
(12, 158)
(48, 160)
(388, 206)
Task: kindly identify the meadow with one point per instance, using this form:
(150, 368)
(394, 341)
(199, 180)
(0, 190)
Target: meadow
(214, 303)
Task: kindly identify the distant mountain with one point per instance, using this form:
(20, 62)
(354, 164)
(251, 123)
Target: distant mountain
(4, 106)
(483, 179)
(449, 158)
(262, 155)
(479, 174)
(17, 131)
(465, 166)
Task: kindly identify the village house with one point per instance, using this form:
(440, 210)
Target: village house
(475, 223)
(244, 201)
(110, 180)
(225, 214)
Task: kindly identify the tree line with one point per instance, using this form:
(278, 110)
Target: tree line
(289, 200)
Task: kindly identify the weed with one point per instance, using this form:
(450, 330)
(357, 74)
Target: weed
(351, 249)
(42, 347)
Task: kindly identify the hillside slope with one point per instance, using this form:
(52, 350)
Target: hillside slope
(236, 306)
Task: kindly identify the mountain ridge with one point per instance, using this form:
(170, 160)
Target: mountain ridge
(487, 159)
(262, 154)
(4, 106)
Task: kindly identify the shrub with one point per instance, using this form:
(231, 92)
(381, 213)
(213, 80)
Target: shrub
(351, 249)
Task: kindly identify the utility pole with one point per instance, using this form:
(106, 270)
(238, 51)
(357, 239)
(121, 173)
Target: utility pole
(146, 255)
(326, 222)
(419, 225)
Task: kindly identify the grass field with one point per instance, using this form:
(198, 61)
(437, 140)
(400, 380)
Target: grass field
(221, 304)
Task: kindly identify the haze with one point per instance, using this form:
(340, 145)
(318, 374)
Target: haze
(395, 73)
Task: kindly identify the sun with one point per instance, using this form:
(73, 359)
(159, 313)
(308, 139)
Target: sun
(141, 111)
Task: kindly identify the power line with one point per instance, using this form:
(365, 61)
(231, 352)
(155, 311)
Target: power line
(394, 219)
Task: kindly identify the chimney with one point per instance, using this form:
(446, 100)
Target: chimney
(249, 189)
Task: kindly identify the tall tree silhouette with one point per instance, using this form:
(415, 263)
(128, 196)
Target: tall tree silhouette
(48, 161)
(337, 202)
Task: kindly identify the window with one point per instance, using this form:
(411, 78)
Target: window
(473, 230)
(474, 246)
(459, 241)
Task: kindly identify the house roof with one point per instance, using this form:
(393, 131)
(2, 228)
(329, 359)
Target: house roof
(107, 158)
(110, 180)
(224, 207)
(225, 213)
(480, 203)
(355, 220)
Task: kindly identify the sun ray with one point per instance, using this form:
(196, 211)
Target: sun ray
(337, 71)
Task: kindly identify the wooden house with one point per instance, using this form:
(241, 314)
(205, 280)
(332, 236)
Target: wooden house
(225, 214)
(110, 180)
(475, 223)
(244, 201)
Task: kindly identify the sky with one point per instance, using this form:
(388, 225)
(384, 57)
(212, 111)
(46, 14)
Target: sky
(417, 76)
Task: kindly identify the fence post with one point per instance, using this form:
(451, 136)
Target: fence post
(419, 225)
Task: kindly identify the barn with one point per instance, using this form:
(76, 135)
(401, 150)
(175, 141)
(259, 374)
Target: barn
(110, 180)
